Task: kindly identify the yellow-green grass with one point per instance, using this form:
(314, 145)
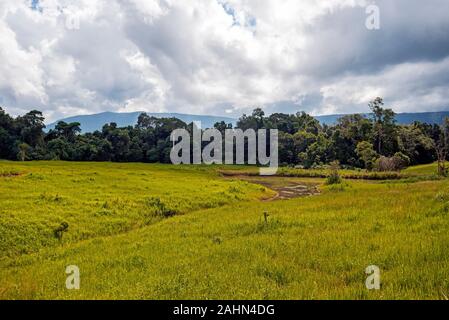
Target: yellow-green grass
(423, 170)
(319, 173)
(311, 248)
(98, 199)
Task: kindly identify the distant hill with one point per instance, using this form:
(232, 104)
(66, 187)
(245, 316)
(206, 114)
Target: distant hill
(90, 123)
(401, 118)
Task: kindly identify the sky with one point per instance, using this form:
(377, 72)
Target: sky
(220, 57)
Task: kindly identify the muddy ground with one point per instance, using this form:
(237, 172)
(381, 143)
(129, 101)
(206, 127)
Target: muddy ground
(285, 188)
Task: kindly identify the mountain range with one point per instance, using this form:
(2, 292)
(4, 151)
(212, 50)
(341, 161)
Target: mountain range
(90, 123)
(401, 118)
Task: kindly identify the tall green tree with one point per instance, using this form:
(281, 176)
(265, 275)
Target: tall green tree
(365, 150)
(30, 126)
(384, 126)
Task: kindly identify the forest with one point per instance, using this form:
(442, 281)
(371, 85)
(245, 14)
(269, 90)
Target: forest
(374, 142)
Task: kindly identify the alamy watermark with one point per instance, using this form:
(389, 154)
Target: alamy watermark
(72, 281)
(209, 147)
(373, 279)
(372, 22)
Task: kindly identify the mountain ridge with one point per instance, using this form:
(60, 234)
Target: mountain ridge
(92, 122)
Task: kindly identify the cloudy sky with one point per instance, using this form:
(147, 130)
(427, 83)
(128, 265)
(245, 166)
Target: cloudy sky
(222, 57)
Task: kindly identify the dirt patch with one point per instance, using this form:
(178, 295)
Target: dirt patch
(285, 188)
(8, 174)
(296, 191)
(291, 191)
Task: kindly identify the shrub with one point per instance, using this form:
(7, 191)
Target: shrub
(384, 164)
(59, 231)
(401, 160)
(396, 163)
(160, 208)
(334, 176)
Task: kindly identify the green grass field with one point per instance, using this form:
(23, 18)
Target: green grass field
(422, 172)
(140, 231)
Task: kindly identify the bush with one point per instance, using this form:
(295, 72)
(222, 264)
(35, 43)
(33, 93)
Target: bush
(396, 163)
(384, 164)
(401, 160)
(334, 176)
(59, 231)
(160, 208)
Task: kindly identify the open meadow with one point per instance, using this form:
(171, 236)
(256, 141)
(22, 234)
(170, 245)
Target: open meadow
(144, 231)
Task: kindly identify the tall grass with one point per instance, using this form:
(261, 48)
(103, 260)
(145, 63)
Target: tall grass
(307, 248)
(320, 173)
(101, 199)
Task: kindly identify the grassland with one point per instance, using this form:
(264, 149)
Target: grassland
(99, 199)
(422, 170)
(324, 173)
(209, 238)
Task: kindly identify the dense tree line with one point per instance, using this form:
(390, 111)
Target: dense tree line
(23, 138)
(375, 142)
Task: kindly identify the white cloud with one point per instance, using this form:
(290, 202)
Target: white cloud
(221, 56)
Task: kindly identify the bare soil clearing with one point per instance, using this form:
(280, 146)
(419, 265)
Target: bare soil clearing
(285, 188)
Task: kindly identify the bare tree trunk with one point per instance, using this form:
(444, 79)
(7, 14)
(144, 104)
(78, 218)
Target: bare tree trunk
(442, 148)
(441, 155)
(379, 142)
